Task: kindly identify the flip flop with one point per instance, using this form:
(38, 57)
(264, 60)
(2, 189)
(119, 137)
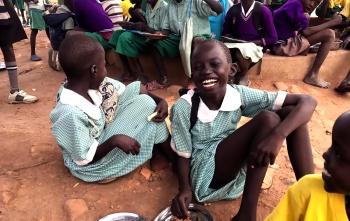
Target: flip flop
(154, 85)
(343, 88)
(35, 57)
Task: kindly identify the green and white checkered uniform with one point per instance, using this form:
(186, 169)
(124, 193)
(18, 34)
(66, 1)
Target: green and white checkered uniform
(211, 128)
(78, 126)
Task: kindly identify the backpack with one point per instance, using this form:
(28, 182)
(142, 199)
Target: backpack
(237, 9)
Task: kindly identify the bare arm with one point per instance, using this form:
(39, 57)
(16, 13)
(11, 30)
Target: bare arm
(215, 6)
(324, 7)
(336, 19)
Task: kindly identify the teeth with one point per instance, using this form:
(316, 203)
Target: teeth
(209, 81)
(209, 85)
(325, 172)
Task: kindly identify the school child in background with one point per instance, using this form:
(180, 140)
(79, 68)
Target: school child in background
(20, 6)
(128, 44)
(37, 23)
(326, 196)
(11, 31)
(216, 22)
(345, 36)
(59, 22)
(330, 7)
(250, 21)
(217, 160)
(293, 17)
(173, 26)
(102, 126)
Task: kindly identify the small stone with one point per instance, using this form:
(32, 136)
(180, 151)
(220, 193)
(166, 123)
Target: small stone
(290, 181)
(92, 196)
(75, 209)
(281, 86)
(7, 197)
(319, 163)
(294, 89)
(328, 132)
(34, 89)
(146, 173)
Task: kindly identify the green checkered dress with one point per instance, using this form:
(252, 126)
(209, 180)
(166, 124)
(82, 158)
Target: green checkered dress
(76, 133)
(200, 144)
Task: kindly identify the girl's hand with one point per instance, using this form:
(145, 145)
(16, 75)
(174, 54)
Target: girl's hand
(179, 206)
(162, 109)
(126, 144)
(266, 151)
(336, 19)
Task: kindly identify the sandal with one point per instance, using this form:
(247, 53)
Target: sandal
(35, 57)
(154, 85)
(343, 88)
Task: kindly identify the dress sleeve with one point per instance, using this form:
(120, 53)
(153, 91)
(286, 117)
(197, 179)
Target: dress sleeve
(72, 134)
(180, 124)
(254, 101)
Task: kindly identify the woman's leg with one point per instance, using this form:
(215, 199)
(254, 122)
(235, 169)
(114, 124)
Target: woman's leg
(232, 154)
(243, 64)
(326, 37)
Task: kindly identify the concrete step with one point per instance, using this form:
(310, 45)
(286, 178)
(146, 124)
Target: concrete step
(336, 65)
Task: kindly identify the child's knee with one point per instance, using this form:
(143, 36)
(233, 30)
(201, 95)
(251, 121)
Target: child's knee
(269, 119)
(329, 34)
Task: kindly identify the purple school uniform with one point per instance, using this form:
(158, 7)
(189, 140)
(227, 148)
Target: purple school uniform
(245, 28)
(290, 18)
(91, 16)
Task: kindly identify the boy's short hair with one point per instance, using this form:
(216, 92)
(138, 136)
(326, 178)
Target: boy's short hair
(225, 49)
(77, 53)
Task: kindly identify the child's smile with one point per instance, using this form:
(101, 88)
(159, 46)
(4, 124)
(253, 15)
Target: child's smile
(209, 83)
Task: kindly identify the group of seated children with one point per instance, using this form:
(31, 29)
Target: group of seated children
(106, 130)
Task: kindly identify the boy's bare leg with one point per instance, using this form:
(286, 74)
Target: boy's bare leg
(127, 74)
(243, 64)
(142, 76)
(232, 154)
(33, 35)
(158, 60)
(326, 37)
(299, 147)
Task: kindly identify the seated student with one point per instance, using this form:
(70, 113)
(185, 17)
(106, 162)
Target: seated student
(330, 7)
(173, 26)
(323, 197)
(217, 160)
(114, 12)
(59, 22)
(292, 18)
(128, 45)
(101, 125)
(241, 23)
(216, 22)
(93, 20)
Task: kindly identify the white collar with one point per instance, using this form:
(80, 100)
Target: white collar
(72, 98)
(248, 12)
(232, 101)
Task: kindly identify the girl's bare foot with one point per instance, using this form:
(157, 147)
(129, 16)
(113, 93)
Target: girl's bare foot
(317, 81)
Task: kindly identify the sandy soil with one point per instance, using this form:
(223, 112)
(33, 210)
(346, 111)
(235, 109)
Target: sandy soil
(35, 185)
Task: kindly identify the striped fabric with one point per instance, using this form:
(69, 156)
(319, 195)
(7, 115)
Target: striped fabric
(114, 12)
(4, 15)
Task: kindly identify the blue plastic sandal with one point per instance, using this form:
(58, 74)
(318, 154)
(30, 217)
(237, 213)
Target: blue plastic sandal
(35, 57)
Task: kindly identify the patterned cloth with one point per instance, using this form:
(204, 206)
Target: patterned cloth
(114, 12)
(177, 12)
(211, 128)
(79, 127)
(155, 17)
(4, 15)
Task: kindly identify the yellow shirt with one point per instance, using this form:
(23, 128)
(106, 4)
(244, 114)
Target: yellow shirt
(346, 11)
(341, 3)
(307, 200)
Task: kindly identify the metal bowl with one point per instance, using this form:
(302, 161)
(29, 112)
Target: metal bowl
(197, 213)
(123, 217)
(335, 46)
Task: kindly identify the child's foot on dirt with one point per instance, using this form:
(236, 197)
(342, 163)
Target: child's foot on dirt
(317, 81)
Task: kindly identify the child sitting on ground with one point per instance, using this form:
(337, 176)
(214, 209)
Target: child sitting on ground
(173, 25)
(323, 197)
(240, 23)
(216, 160)
(293, 17)
(101, 125)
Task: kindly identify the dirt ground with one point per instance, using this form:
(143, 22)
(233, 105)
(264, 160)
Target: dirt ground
(35, 185)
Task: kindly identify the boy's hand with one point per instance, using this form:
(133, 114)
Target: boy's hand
(266, 151)
(126, 144)
(162, 109)
(180, 203)
(140, 26)
(336, 19)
